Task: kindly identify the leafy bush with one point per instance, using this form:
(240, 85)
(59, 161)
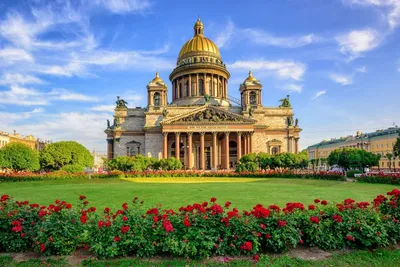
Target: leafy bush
(19, 157)
(73, 168)
(380, 178)
(199, 230)
(56, 155)
(350, 174)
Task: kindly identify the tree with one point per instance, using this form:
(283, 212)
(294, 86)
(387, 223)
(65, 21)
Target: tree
(396, 148)
(389, 156)
(353, 158)
(19, 157)
(56, 155)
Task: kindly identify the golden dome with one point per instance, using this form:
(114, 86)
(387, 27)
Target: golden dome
(157, 79)
(199, 43)
(250, 79)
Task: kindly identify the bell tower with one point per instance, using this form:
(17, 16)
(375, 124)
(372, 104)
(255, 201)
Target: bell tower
(250, 92)
(157, 93)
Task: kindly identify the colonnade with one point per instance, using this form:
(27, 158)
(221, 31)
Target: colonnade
(189, 85)
(219, 145)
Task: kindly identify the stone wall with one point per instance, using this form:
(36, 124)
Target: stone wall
(154, 144)
(120, 147)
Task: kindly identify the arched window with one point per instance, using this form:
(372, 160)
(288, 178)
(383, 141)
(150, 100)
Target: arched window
(187, 88)
(201, 87)
(210, 87)
(180, 90)
(275, 151)
(157, 99)
(220, 90)
(253, 98)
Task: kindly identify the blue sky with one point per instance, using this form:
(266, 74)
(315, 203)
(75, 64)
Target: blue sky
(62, 63)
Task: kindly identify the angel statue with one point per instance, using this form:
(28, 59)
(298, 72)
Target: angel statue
(108, 124)
(116, 122)
(164, 113)
(251, 109)
(121, 103)
(285, 102)
(289, 121)
(296, 123)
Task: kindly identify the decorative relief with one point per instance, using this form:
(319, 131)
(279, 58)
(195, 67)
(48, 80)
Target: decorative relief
(209, 115)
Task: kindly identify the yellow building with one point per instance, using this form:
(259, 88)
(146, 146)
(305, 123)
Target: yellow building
(379, 142)
(30, 140)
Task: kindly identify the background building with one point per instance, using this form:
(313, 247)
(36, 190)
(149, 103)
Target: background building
(379, 142)
(36, 144)
(203, 126)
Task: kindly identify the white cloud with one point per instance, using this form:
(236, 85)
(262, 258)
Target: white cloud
(392, 9)
(354, 43)
(262, 38)
(362, 69)
(22, 96)
(103, 108)
(284, 69)
(12, 55)
(17, 78)
(293, 87)
(318, 94)
(225, 35)
(341, 79)
(122, 6)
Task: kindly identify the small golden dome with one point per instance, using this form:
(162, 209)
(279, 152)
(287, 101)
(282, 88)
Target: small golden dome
(157, 79)
(199, 43)
(250, 79)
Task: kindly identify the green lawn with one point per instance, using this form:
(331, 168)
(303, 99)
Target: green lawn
(174, 192)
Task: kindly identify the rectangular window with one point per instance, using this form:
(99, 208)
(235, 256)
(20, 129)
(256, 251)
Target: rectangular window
(388, 164)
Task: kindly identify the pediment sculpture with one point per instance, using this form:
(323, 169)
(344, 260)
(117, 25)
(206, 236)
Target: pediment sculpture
(210, 115)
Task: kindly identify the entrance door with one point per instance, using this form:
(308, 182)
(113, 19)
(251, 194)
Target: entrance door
(207, 153)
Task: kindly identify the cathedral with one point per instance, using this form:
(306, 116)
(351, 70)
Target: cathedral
(203, 126)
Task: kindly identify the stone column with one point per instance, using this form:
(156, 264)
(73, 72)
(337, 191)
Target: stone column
(296, 140)
(239, 145)
(250, 142)
(173, 90)
(215, 150)
(197, 84)
(190, 84)
(177, 146)
(245, 151)
(110, 149)
(189, 140)
(202, 161)
(165, 145)
(226, 150)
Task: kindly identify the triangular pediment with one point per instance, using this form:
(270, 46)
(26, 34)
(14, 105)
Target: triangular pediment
(209, 115)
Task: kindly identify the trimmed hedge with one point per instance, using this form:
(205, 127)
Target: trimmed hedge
(380, 178)
(58, 175)
(200, 230)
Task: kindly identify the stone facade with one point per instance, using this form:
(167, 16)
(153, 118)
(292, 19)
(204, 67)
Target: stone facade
(203, 126)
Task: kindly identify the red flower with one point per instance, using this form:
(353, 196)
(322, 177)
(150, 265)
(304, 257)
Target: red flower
(155, 219)
(260, 212)
(301, 241)
(42, 213)
(227, 204)
(22, 235)
(213, 199)
(378, 233)
(85, 202)
(125, 218)
(152, 211)
(350, 238)
(274, 208)
(68, 206)
(337, 218)
(100, 224)
(348, 201)
(324, 202)
(116, 239)
(84, 219)
(311, 207)
(186, 222)
(167, 225)
(51, 239)
(125, 206)
(314, 219)
(107, 210)
(82, 197)
(42, 247)
(256, 257)
(247, 246)
(4, 198)
(262, 226)
(281, 223)
(125, 229)
(317, 200)
(267, 236)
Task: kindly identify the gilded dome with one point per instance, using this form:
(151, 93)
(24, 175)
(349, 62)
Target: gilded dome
(250, 79)
(157, 79)
(199, 43)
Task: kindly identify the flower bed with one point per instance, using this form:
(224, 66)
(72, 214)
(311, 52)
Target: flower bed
(16, 177)
(380, 178)
(199, 230)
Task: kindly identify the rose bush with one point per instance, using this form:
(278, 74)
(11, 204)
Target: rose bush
(199, 230)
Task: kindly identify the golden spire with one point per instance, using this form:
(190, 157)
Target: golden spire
(250, 78)
(157, 79)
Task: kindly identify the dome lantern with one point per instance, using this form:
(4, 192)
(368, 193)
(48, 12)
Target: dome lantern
(198, 28)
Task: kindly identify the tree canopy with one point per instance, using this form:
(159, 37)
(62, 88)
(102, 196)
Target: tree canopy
(254, 161)
(353, 158)
(19, 157)
(396, 148)
(56, 155)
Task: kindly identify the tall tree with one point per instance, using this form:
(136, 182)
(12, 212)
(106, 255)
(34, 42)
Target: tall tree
(56, 155)
(19, 157)
(389, 156)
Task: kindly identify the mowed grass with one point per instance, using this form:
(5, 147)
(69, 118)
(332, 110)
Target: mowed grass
(174, 192)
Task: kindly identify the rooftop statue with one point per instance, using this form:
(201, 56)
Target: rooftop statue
(296, 123)
(108, 124)
(207, 98)
(289, 121)
(121, 103)
(285, 102)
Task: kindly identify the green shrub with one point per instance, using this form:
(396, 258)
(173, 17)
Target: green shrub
(350, 174)
(73, 168)
(19, 157)
(170, 164)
